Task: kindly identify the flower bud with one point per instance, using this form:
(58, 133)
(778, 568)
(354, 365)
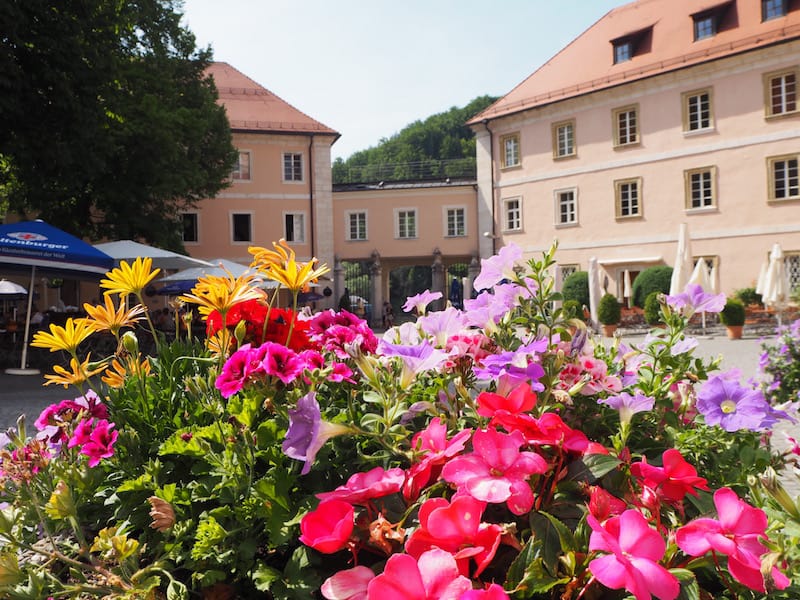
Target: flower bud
(131, 343)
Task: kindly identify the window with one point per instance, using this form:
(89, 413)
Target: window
(241, 171)
(772, 9)
(623, 51)
(455, 222)
(700, 188)
(566, 207)
(628, 194)
(626, 126)
(356, 226)
(567, 270)
(709, 22)
(405, 223)
(292, 166)
(697, 111)
(509, 145)
(781, 93)
(783, 178)
(512, 214)
(191, 232)
(791, 264)
(294, 227)
(705, 26)
(632, 44)
(242, 230)
(564, 139)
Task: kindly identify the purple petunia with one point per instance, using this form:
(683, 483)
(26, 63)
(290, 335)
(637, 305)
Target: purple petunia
(419, 303)
(308, 432)
(694, 300)
(496, 268)
(628, 405)
(723, 401)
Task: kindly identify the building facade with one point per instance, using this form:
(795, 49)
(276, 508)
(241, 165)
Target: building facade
(663, 112)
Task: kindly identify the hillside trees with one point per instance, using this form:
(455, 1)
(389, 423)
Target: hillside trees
(443, 136)
(108, 124)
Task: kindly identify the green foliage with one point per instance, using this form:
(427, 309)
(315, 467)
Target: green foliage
(576, 287)
(652, 279)
(573, 310)
(748, 296)
(780, 369)
(733, 313)
(652, 309)
(110, 126)
(440, 146)
(608, 310)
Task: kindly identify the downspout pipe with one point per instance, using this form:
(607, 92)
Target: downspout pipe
(491, 184)
(312, 237)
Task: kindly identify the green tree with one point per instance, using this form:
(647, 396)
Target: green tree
(109, 126)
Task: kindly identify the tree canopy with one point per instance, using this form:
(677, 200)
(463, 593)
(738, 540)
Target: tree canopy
(109, 126)
(440, 145)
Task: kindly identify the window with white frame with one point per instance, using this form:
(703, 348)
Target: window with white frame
(772, 9)
(356, 225)
(405, 222)
(781, 92)
(294, 227)
(628, 197)
(509, 150)
(697, 115)
(567, 270)
(455, 221)
(292, 166)
(241, 170)
(783, 177)
(191, 229)
(512, 214)
(564, 139)
(791, 264)
(700, 187)
(566, 207)
(626, 126)
(241, 227)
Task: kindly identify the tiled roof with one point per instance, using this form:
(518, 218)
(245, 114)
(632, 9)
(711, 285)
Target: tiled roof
(252, 107)
(586, 64)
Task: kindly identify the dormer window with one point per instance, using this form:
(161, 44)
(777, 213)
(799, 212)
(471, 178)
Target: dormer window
(711, 21)
(632, 44)
(772, 9)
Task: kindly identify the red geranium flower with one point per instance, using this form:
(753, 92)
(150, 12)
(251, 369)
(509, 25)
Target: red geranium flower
(254, 313)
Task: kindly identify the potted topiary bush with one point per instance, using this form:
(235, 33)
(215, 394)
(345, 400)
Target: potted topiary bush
(732, 316)
(652, 309)
(609, 314)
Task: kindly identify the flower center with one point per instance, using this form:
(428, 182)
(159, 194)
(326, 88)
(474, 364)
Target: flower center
(728, 406)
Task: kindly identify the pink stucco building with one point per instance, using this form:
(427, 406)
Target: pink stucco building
(663, 112)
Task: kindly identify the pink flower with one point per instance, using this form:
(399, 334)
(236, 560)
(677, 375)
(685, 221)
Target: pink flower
(348, 585)
(234, 372)
(737, 535)
(457, 528)
(437, 450)
(675, 479)
(496, 471)
(493, 592)
(100, 443)
(521, 399)
(81, 434)
(276, 360)
(434, 577)
(362, 487)
(635, 550)
(328, 528)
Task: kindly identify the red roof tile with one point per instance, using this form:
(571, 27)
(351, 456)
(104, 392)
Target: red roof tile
(586, 64)
(252, 107)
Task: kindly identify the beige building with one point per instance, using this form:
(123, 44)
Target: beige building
(663, 112)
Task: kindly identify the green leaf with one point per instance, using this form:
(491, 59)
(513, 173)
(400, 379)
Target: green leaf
(142, 483)
(592, 467)
(264, 576)
(175, 444)
(690, 590)
(243, 408)
(555, 539)
(177, 591)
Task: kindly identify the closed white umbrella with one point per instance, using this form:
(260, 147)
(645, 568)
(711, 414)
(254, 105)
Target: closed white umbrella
(776, 284)
(627, 288)
(682, 269)
(594, 292)
(762, 278)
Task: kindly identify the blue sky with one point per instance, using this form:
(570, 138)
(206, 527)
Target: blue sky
(367, 68)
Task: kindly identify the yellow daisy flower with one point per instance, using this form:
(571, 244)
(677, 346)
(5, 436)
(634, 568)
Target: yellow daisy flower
(264, 259)
(78, 376)
(221, 293)
(217, 343)
(281, 265)
(130, 279)
(67, 338)
(110, 318)
(117, 373)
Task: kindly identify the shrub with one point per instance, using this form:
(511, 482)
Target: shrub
(576, 287)
(608, 311)
(748, 296)
(652, 308)
(780, 365)
(572, 310)
(733, 313)
(653, 279)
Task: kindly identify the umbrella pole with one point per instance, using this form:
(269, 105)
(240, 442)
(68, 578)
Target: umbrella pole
(22, 368)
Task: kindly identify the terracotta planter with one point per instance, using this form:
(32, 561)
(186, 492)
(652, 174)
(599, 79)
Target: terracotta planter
(608, 330)
(734, 331)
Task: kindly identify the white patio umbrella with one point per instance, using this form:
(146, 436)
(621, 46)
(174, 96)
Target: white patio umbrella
(701, 277)
(9, 288)
(682, 269)
(776, 284)
(627, 288)
(762, 278)
(594, 292)
(129, 251)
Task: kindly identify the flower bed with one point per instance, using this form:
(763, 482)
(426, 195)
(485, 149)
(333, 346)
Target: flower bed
(495, 452)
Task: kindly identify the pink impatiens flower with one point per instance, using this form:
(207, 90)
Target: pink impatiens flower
(350, 584)
(674, 480)
(327, 529)
(737, 534)
(362, 487)
(434, 576)
(635, 549)
(496, 471)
